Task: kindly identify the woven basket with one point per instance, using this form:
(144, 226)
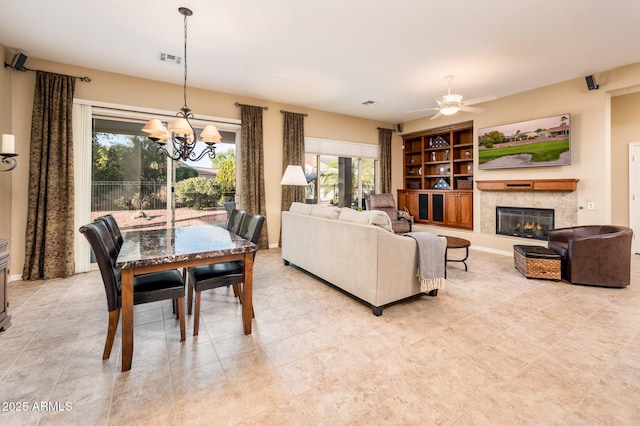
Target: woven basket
(464, 183)
(548, 269)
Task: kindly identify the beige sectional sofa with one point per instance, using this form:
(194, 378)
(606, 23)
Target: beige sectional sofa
(355, 251)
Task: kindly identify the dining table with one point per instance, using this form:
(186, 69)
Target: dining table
(151, 250)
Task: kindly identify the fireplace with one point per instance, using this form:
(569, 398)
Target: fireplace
(524, 222)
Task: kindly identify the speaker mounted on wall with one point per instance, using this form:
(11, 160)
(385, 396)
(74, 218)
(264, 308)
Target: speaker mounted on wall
(18, 62)
(399, 127)
(591, 82)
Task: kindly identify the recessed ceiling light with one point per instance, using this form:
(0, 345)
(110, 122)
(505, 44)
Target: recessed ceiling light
(368, 102)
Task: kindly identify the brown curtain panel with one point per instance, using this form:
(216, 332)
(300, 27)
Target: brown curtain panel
(253, 197)
(293, 154)
(384, 140)
(50, 233)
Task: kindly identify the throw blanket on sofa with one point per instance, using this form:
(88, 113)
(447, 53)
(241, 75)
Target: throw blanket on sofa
(430, 260)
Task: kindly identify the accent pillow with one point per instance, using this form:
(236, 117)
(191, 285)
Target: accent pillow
(328, 212)
(367, 217)
(301, 208)
(348, 214)
(379, 218)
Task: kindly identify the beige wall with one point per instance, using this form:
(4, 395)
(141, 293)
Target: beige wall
(592, 155)
(125, 90)
(625, 129)
(5, 127)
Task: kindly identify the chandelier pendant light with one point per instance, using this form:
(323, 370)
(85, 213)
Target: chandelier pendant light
(181, 133)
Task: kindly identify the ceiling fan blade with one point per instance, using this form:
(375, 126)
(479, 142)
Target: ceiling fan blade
(437, 115)
(480, 100)
(471, 109)
(420, 110)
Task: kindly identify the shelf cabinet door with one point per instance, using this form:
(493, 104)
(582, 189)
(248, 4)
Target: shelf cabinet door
(408, 200)
(459, 209)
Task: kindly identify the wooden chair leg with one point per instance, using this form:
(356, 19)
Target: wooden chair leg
(189, 297)
(180, 302)
(176, 309)
(236, 290)
(196, 314)
(114, 317)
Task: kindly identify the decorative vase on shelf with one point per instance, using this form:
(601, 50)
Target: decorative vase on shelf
(446, 154)
(433, 156)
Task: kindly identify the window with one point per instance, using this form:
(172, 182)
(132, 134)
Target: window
(339, 173)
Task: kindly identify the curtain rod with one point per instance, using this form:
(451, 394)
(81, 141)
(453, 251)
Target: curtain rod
(239, 104)
(283, 111)
(85, 79)
(382, 128)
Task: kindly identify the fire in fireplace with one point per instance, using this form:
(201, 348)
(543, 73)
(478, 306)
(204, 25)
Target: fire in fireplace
(524, 222)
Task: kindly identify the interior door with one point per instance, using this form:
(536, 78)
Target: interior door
(634, 194)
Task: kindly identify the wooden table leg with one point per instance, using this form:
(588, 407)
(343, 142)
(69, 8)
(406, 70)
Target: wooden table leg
(127, 318)
(247, 291)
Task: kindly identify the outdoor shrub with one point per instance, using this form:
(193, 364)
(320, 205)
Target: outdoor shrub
(198, 192)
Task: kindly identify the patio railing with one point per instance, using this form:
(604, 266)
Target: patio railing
(128, 195)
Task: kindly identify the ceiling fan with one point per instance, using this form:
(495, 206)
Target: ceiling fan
(450, 103)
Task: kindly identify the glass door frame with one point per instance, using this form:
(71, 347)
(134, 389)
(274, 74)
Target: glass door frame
(83, 114)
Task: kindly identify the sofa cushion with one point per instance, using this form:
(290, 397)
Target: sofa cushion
(368, 217)
(328, 212)
(301, 208)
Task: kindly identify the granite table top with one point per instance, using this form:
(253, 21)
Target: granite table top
(170, 245)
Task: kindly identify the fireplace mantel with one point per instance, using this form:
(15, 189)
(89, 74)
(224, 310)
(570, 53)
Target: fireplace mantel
(559, 185)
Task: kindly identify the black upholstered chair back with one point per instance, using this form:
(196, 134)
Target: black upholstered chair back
(113, 228)
(106, 254)
(252, 227)
(236, 218)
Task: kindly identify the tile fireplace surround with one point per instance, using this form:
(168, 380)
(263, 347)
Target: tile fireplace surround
(564, 203)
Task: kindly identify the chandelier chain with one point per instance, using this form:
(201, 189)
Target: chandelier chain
(185, 61)
(181, 134)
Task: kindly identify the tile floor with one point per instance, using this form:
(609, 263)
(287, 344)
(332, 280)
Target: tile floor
(493, 348)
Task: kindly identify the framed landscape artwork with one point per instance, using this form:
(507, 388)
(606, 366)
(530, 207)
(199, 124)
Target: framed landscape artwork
(533, 143)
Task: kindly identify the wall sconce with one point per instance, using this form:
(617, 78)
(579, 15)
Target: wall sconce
(8, 152)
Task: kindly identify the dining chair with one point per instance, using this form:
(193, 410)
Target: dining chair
(207, 277)
(151, 287)
(113, 228)
(234, 223)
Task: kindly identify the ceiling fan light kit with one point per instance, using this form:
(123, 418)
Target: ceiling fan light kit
(450, 104)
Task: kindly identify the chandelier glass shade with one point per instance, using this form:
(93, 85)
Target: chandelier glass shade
(181, 133)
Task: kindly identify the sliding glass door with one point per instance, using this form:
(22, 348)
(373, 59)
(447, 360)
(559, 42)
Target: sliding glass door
(145, 190)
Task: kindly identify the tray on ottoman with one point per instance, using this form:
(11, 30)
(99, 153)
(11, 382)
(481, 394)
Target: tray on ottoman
(537, 262)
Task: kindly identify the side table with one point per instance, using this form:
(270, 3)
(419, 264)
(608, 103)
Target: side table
(456, 243)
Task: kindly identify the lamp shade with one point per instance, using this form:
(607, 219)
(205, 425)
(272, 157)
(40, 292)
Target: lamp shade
(294, 175)
(210, 133)
(153, 126)
(181, 127)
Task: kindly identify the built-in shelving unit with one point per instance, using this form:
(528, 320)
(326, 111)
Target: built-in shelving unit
(438, 175)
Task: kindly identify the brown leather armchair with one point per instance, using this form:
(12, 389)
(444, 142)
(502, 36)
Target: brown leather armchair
(594, 254)
(400, 221)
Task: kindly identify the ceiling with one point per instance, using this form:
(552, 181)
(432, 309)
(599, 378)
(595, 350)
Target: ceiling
(333, 55)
